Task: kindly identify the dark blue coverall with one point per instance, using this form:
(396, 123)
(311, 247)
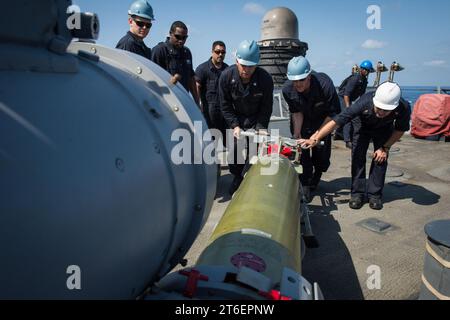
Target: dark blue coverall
(134, 44)
(320, 102)
(368, 127)
(248, 106)
(207, 75)
(174, 61)
(353, 86)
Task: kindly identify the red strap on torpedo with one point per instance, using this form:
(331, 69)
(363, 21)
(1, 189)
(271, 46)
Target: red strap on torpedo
(274, 295)
(191, 285)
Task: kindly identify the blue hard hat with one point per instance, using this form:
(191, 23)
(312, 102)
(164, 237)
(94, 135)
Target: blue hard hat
(366, 64)
(141, 8)
(248, 53)
(298, 68)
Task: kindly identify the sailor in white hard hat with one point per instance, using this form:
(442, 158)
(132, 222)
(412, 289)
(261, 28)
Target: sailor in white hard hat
(382, 117)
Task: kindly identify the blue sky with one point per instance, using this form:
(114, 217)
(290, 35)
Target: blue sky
(414, 33)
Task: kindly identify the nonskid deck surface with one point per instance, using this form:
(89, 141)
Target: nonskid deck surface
(350, 256)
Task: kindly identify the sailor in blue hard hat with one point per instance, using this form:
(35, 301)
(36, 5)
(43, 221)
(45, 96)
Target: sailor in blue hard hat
(140, 17)
(353, 87)
(246, 98)
(312, 101)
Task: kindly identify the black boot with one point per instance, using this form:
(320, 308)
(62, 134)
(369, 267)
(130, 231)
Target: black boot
(375, 203)
(356, 202)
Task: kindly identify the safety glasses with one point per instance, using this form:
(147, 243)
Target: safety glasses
(142, 24)
(180, 36)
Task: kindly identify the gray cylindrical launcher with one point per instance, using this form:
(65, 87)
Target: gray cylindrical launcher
(279, 42)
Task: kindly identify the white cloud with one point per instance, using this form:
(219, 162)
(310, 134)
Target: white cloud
(254, 8)
(434, 63)
(373, 44)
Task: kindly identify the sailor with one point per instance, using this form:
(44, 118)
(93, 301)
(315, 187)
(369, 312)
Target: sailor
(312, 101)
(381, 117)
(174, 57)
(207, 77)
(353, 87)
(246, 98)
(140, 17)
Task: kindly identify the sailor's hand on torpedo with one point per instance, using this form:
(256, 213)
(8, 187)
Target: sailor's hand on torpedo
(301, 141)
(237, 132)
(307, 143)
(380, 156)
(312, 142)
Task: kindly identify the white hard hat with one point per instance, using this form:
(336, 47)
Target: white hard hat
(387, 96)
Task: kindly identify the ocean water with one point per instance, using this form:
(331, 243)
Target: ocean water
(411, 93)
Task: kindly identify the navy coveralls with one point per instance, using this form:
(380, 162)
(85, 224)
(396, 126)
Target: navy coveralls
(245, 105)
(354, 86)
(134, 44)
(369, 127)
(207, 75)
(174, 61)
(319, 102)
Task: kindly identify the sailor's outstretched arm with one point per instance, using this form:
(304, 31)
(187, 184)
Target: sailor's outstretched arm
(317, 137)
